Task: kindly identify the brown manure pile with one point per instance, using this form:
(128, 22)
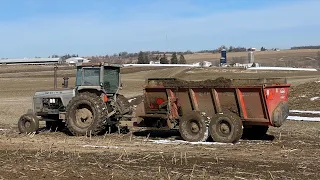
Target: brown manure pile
(218, 82)
(305, 96)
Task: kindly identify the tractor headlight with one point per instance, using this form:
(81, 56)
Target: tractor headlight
(52, 101)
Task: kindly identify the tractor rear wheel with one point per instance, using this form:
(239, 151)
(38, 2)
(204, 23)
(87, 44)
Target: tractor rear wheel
(193, 127)
(226, 128)
(28, 123)
(85, 114)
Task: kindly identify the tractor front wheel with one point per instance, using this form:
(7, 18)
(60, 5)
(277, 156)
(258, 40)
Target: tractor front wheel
(28, 123)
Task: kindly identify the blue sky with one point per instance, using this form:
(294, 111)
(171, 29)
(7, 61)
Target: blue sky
(31, 28)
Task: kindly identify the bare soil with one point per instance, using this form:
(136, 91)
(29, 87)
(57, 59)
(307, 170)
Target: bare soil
(289, 152)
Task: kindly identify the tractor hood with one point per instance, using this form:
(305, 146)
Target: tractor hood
(64, 94)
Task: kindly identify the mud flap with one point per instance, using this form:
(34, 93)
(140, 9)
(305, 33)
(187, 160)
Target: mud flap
(280, 114)
(123, 105)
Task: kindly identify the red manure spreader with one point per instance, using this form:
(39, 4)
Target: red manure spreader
(223, 109)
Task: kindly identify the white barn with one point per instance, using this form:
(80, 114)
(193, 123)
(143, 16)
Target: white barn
(76, 60)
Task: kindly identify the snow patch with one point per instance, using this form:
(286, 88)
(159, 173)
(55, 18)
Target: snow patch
(186, 142)
(104, 147)
(299, 118)
(3, 129)
(130, 100)
(303, 96)
(305, 112)
(314, 98)
(282, 69)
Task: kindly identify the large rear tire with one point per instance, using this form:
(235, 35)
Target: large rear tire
(85, 113)
(226, 128)
(28, 123)
(193, 127)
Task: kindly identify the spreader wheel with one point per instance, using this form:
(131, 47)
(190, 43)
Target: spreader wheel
(193, 127)
(28, 123)
(226, 128)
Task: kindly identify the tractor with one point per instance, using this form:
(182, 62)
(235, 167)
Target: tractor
(90, 108)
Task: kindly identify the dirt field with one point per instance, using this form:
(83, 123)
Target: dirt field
(289, 152)
(300, 57)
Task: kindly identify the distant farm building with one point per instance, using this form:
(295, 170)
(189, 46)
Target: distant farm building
(252, 49)
(203, 64)
(154, 62)
(76, 60)
(44, 61)
(31, 61)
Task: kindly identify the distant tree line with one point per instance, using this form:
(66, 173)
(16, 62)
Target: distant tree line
(170, 57)
(146, 57)
(230, 49)
(64, 57)
(217, 50)
(305, 47)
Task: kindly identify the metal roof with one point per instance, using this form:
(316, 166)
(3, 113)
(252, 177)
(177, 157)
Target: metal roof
(29, 60)
(92, 64)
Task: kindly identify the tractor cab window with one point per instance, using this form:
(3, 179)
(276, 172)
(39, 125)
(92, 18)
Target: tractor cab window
(111, 79)
(88, 77)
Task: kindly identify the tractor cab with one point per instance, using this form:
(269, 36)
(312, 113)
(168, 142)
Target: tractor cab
(98, 76)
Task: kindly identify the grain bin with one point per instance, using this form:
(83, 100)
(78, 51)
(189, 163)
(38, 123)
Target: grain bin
(251, 57)
(224, 55)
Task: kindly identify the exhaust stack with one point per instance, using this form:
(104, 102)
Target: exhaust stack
(65, 82)
(55, 69)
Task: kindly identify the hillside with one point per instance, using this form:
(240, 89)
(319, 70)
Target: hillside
(303, 57)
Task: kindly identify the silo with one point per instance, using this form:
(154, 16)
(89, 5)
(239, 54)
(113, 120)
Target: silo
(223, 56)
(251, 57)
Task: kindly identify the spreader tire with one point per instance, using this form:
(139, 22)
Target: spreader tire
(193, 127)
(28, 123)
(226, 128)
